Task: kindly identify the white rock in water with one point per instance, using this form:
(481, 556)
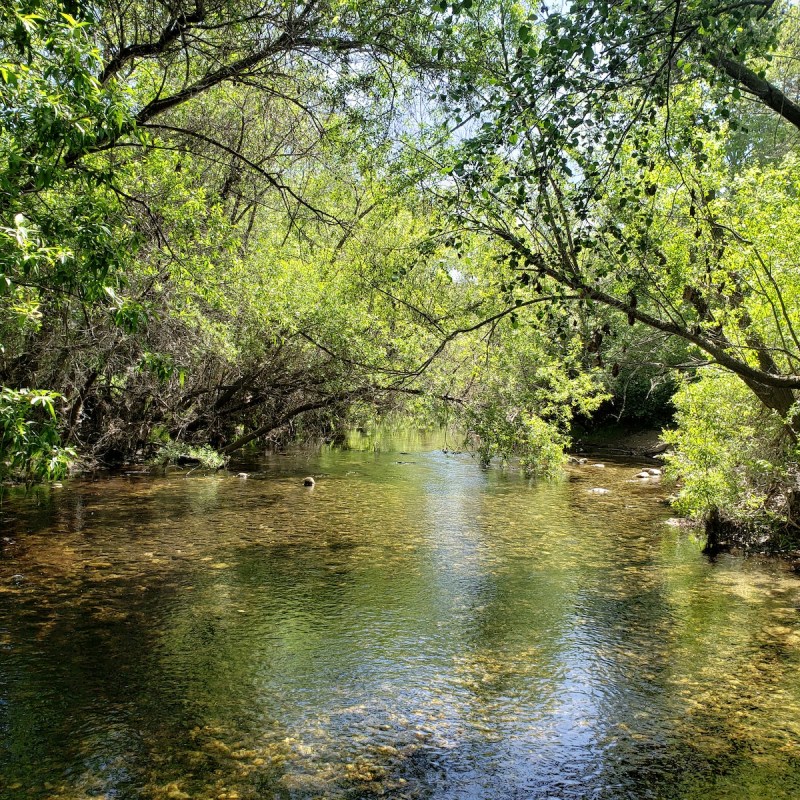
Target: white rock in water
(643, 474)
(599, 466)
(656, 473)
(242, 475)
(599, 491)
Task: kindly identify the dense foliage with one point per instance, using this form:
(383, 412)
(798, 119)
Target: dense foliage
(229, 223)
(610, 161)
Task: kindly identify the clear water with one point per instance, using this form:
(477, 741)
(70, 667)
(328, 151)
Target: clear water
(424, 629)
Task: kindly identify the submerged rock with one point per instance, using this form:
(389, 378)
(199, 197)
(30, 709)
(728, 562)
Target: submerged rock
(599, 491)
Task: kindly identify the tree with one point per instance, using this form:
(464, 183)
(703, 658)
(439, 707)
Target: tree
(602, 158)
(566, 169)
(168, 176)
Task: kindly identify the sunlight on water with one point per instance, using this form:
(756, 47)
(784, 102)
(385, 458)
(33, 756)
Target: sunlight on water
(411, 627)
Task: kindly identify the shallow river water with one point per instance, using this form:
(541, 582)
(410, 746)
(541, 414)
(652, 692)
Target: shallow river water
(411, 627)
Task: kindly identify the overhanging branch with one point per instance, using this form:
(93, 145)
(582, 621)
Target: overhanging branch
(769, 94)
(576, 283)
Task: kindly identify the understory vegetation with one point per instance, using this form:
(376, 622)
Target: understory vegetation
(224, 225)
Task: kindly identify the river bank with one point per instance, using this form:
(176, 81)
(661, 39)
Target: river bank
(620, 441)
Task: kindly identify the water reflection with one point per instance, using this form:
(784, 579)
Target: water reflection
(413, 626)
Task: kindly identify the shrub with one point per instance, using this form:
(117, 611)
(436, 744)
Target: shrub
(731, 454)
(30, 445)
(176, 452)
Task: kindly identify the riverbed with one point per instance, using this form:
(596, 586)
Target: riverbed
(412, 626)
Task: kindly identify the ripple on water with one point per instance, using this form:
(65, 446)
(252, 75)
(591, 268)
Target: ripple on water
(422, 630)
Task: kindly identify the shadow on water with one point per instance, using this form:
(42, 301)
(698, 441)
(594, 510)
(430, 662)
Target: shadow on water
(412, 626)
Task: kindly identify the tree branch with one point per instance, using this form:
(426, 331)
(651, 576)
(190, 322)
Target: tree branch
(769, 94)
(174, 30)
(239, 443)
(271, 179)
(720, 355)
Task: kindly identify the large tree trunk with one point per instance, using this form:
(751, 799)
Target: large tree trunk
(777, 398)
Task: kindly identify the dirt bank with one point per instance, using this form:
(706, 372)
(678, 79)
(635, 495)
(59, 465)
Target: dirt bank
(619, 441)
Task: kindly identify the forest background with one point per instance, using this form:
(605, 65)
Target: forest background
(231, 222)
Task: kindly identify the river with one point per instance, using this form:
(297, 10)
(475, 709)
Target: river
(413, 626)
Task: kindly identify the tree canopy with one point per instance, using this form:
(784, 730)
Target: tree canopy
(608, 158)
(224, 223)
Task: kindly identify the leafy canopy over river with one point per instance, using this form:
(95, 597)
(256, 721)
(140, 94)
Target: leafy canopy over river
(228, 223)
